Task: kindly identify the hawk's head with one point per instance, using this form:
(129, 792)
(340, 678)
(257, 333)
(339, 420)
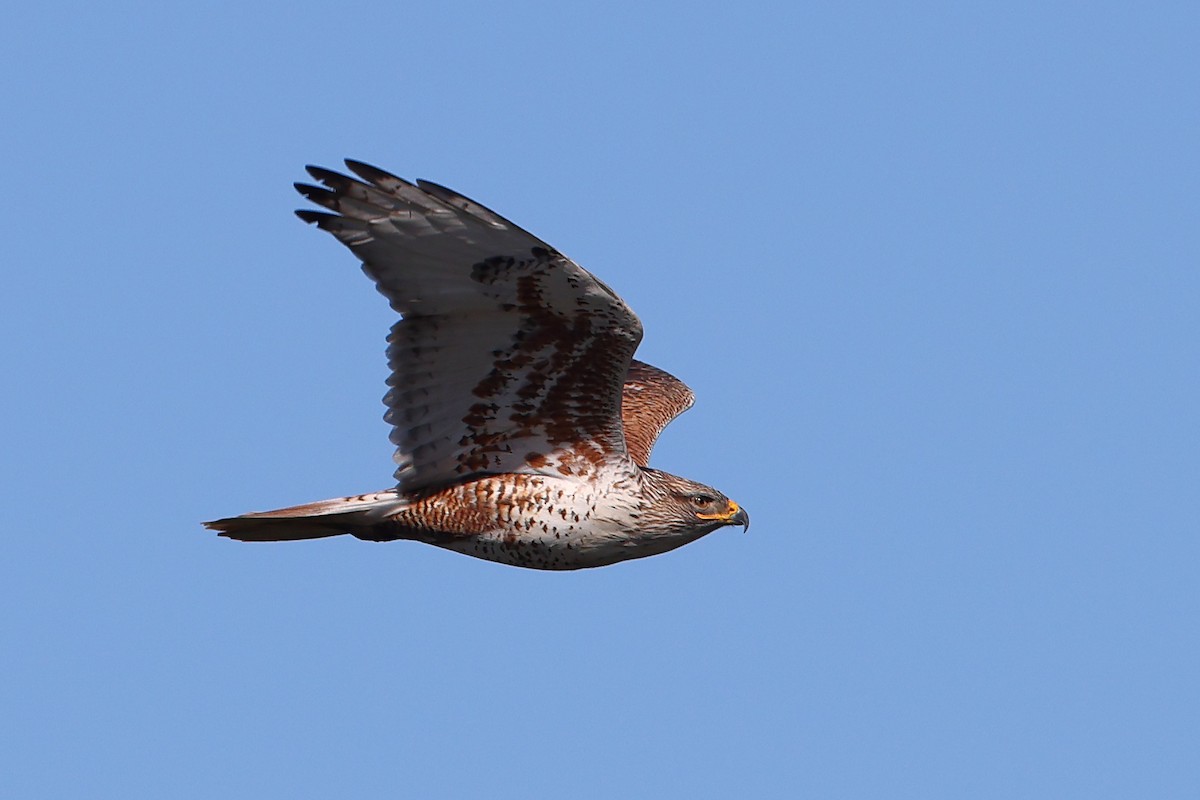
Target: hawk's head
(679, 505)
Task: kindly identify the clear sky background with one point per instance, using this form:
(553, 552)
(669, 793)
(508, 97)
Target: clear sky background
(933, 271)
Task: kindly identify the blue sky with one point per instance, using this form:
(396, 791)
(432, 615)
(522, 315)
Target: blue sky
(931, 270)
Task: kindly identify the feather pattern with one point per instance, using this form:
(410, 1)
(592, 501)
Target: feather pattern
(652, 398)
(510, 357)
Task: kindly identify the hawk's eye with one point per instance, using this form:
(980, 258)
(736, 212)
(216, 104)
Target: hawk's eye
(703, 500)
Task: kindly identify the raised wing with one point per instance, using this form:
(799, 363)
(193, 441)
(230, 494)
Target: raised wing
(510, 357)
(652, 398)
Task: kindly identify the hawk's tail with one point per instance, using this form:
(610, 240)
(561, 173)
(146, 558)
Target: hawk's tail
(353, 515)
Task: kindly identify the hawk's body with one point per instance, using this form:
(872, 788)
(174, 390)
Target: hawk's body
(523, 425)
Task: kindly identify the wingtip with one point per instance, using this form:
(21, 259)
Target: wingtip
(373, 174)
(314, 217)
(307, 189)
(319, 195)
(322, 174)
(354, 165)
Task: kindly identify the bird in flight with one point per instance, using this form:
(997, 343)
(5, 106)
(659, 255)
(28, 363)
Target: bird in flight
(522, 423)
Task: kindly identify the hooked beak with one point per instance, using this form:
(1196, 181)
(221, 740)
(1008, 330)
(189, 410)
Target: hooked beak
(734, 515)
(739, 516)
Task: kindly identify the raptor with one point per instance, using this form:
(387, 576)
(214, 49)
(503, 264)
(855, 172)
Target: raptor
(523, 425)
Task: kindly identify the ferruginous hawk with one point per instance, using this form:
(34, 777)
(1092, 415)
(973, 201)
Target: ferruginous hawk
(522, 423)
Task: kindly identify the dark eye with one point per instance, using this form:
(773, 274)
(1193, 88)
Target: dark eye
(703, 500)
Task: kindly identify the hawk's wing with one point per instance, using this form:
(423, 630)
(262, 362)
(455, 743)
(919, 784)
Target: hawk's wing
(652, 398)
(510, 357)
